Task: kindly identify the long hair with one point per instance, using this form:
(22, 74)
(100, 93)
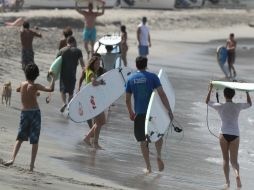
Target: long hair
(91, 62)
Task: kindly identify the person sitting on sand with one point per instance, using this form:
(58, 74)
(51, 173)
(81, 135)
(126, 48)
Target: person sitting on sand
(30, 120)
(26, 36)
(89, 33)
(141, 84)
(93, 70)
(18, 22)
(229, 133)
(66, 33)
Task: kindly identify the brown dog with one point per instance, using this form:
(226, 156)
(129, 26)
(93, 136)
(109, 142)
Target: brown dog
(6, 93)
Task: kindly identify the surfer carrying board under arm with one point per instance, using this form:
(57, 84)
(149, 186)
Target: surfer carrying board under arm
(231, 46)
(141, 85)
(93, 70)
(71, 57)
(229, 133)
(89, 33)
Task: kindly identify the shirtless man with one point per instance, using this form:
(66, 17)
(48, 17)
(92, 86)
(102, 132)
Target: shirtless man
(26, 36)
(89, 33)
(231, 46)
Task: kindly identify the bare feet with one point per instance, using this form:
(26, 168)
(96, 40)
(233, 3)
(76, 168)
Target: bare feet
(31, 168)
(227, 185)
(8, 163)
(238, 182)
(96, 145)
(160, 164)
(148, 170)
(63, 108)
(87, 141)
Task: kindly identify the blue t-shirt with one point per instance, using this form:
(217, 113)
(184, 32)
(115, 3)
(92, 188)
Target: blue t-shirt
(141, 84)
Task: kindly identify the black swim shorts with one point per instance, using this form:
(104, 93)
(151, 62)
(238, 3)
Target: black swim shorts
(139, 127)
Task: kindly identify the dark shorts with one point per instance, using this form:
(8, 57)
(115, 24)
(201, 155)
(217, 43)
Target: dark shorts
(30, 126)
(231, 57)
(139, 127)
(67, 86)
(229, 138)
(27, 57)
(143, 50)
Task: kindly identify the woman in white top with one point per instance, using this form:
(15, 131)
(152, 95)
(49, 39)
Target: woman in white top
(229, 133)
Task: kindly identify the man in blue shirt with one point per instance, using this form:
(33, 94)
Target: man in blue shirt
(141, 84)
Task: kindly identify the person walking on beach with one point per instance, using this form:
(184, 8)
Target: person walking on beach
(89, 33)
(141, 85)
(66, 33)
(144, 39)
(229, 133)
(92, 72)
(124, 45)
(109, 58)
(231, 47)
(30, 119)
(71, 57)
(26, 36)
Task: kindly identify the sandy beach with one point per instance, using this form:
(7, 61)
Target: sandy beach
(184, 43)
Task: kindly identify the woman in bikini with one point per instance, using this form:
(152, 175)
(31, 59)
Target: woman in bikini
(229, 133)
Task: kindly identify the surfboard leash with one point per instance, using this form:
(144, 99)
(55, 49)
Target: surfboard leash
(207, 123)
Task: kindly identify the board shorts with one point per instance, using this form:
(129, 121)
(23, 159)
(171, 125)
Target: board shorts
(143, 50)
(89, 34)
(231, 57)
(30, 126)
(139, 127)
(67, 86)
(27, 57)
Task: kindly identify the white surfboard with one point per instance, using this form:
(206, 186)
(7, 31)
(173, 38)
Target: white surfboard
(115, 54)
(91, 100)
(157, 117)
(241, 86)
(114, 40)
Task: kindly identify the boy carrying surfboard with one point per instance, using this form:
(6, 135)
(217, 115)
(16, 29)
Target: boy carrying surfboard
(141, 84)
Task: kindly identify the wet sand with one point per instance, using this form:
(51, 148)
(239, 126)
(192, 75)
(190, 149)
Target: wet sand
(186, 50)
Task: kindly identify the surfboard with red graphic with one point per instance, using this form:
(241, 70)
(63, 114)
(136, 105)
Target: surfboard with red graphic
(91, 100)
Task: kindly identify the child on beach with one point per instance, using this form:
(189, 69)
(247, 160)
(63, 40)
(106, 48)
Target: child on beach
(30, 119)
(229, 133)
(123, 45)
(93, 70)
